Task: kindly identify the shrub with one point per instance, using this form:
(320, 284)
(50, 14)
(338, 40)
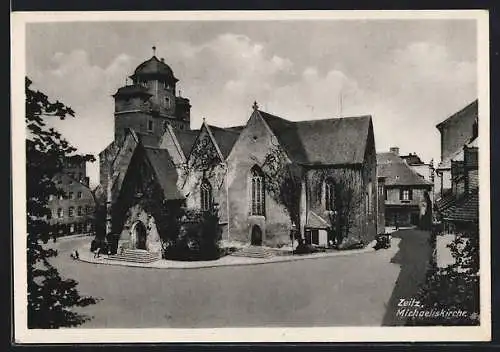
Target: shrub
(198, 237)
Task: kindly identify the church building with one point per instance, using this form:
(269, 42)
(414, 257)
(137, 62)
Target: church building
(267, 179)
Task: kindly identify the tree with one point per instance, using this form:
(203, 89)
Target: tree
(455, 287)
(50, 297)
(283, 180)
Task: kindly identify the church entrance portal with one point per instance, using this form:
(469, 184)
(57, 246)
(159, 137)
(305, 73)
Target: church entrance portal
(140, 233)
(256, 237)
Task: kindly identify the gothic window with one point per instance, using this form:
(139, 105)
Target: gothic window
(258, 195)
(167, 102)
(80, 211)
(206, 195)
(79, 195)
(71, 211)
(70, 195)
(329, 195)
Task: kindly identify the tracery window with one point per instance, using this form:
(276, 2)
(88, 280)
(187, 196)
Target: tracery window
(206, 195)
(258, 195)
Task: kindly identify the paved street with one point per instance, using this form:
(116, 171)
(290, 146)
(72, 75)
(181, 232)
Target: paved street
(356, 290)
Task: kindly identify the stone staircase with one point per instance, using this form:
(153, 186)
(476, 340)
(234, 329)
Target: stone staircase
(254, 252)
(135, 256)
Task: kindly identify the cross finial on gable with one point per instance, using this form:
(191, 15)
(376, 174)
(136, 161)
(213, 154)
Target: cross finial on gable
(154, 50)
(255, 106)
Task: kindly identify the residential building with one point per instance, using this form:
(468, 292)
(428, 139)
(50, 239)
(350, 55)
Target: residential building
(73, 210)
(406, 193)
(457, 130)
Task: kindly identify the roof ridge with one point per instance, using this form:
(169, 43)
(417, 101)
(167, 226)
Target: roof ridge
(222, 128)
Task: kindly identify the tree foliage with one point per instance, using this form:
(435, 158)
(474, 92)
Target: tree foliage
(348, 200)
(455, 287)
(50, 297)
(283, 182)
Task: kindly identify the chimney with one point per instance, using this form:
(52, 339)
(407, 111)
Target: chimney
(394, 150)
(162, 60)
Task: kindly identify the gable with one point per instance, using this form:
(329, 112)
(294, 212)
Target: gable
(254, 141)
(204, 152)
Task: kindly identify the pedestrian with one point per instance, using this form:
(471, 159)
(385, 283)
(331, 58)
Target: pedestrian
(97, 252)
(77, 255)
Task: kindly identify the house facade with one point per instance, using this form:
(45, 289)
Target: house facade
(406, 193)
(457, 130)
(72, 212)
(268, 179)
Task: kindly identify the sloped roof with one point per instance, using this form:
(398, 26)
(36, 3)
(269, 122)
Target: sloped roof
(149, 140)
(327, 141)
(132, 90)
(186, 139)
(472, 108)
(165, 171)
(397, 172)
(445, 202)
(314, 221)
(225, 138)
(464, 209)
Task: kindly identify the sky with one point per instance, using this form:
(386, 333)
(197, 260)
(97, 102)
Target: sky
(408, 75)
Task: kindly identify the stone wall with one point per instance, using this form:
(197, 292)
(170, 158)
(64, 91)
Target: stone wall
(251, 149)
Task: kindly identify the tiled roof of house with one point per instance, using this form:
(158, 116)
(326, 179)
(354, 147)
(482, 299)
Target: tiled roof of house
(225, 138)
(445, 202)
(397, 172)
(464, 209)
(328, 141)
(166, 173)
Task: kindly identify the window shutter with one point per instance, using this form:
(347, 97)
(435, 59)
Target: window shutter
(410, 191)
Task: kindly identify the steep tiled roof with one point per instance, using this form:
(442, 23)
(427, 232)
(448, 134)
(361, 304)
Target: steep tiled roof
(165, 171)
(149, 140)
(464, 209)
(397, 172)
(225, 138)
(186, 139)
(445, 202)
(327, 141)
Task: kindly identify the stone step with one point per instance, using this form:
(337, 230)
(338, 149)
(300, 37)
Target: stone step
(136, 256)
(254, 252)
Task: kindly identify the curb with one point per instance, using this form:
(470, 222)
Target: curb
(369, 248)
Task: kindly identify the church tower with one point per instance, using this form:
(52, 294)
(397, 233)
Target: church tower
(149, 102)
